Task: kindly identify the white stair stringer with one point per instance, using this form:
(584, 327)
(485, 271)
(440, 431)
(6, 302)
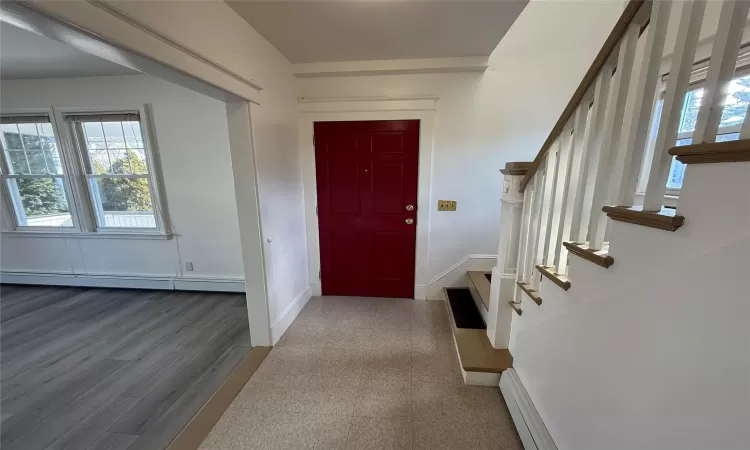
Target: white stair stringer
(663, 333)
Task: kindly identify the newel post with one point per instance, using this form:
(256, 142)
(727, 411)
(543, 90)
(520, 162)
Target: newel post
(504, 277)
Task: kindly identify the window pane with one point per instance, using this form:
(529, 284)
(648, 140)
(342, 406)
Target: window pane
(677, 170)
(94, 135)
(29, 136)
(133, 135)
(17, 163)
(727, 137)
(40, 202)
(123, 202)
(735, 105)
(690, 110)
(37, 162)
(113, 135)
(12, 138)
(31, 149)
(115, 148)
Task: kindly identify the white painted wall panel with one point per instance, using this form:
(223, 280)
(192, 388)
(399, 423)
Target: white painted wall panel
(191, 133)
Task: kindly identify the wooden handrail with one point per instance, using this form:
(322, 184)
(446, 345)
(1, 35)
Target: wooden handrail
(628, 15)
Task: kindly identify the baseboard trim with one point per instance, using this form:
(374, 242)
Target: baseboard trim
(209, 284)
(531, 429)
(455, 275)
(290, 313)
(316, 288)
(178, 283)
(195, 432)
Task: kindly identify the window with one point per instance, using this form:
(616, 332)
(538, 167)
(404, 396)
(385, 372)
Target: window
(111, 187)
(735, 108)
(116, 168)
(33, 173)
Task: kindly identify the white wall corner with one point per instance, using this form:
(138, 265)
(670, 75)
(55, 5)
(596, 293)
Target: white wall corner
(455, 275)
(316, 288)
(528, 422)
(289, 314)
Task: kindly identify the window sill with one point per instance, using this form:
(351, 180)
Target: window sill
(88, 235)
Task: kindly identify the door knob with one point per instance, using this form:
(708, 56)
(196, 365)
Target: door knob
(409, 221)
(410, 207)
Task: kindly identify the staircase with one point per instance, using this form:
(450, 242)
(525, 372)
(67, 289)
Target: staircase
(628, 319)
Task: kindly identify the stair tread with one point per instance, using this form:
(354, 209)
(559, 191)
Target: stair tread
(482, 285)
(598, 257)
(560, 280)
(475, 352)
(666, 219)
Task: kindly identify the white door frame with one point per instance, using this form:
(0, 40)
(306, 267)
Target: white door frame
(362, 109)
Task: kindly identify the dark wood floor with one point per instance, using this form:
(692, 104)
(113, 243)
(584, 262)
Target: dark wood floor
(111, 368)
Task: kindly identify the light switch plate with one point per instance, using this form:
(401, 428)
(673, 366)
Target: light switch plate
(446, 205)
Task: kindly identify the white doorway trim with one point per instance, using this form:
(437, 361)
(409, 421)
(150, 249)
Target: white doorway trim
(360, 109)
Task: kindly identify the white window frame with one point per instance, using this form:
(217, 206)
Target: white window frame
(80, 197)
(11, 203)
(697, 79)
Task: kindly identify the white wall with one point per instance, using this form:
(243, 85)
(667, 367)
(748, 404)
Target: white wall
(484, 120)
(192, 142)
(653, 352)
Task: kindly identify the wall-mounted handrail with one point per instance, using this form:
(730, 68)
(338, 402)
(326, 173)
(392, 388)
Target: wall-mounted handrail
(621, 27)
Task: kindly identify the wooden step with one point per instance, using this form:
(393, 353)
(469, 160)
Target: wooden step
(475, 352)
(534, 295)
(666, 219)
(556, 278)
(713, 152)
(599, 257)
(479, 285)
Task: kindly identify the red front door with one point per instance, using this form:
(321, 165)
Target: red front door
(367, 206)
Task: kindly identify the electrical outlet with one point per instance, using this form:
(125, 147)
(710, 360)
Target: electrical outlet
(189, 266)
(446, 205)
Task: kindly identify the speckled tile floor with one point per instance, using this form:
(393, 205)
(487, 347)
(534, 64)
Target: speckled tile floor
(364, 373)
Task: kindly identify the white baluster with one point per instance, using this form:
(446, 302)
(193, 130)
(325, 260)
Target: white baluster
(523, 242)
(726, 45)
(611, 134)
(553, 160)
(582, 207)
(575, 155)
(536, 210)
(688, 31)
(547, 196)
(637, 120)
(561, 191)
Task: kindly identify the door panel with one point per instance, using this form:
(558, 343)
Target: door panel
(366, 176)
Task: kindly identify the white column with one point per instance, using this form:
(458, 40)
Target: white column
(248, 214)
(503, 282)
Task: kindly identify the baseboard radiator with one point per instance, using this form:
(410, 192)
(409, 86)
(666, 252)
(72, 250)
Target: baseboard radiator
(531, 429)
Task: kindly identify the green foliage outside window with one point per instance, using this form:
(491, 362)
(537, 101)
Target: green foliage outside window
(124, 194)
(41, 196)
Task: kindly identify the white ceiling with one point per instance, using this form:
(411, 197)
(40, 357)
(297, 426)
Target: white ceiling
(24, 54)
(358, 30)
